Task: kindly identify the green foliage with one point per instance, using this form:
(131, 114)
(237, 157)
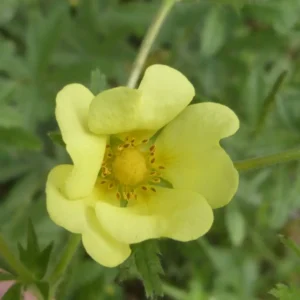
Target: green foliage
(33, 258)
(13, 293)
(147, 261)
(283, 292)
(98, 82)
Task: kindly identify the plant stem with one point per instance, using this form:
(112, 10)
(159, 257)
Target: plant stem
(148, 41)
(16, 265)
(65, 258)
(268, 160)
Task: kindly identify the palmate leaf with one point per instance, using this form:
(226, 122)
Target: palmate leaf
(284, 292)
(33, 258)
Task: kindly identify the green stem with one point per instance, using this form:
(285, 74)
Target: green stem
(268, 160)
(65, 258)
(7, 254)
(148, 41)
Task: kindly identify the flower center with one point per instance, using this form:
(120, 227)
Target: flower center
(129, 167)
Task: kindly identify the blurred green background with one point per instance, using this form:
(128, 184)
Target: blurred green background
(231, 56)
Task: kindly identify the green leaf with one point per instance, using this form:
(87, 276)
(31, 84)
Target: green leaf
(44, 289)
(43, 259)
(18, 138)
(148, 265)
(98, 82)
(269, 101)
(56, 138)
(34, 259)
(14, 292)
(290, 244)
(213, 33)
(284, 292)
(235, 224)
(6, 276)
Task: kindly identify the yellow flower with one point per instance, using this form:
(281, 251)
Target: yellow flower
(116, 192)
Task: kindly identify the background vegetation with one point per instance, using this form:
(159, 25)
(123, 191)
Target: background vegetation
(233, 55)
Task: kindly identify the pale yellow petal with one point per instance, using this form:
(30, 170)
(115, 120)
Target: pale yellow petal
(178, 214)
(189, 149)
(115, 111)
(76, 216)
(104, 249)
(163, 93)
(64, 212)
(166, 92)
(85, 148)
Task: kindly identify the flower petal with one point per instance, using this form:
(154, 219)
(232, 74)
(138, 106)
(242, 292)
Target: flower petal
(114, 111)
(178, 214)
(104, 249)
(189, 149)
(66, 213)
(85, 148)
(166, 92)
(163, 93)
(76, 216)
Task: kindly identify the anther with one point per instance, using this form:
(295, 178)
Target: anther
(110, 186)
(153, 173)
(144, 188)
(118, 195)
(145, 141)
(107, 146)
(120, 147)
(153, 190)
(161, 167)
(126, 145)
(156, 180)
(152, 160)
(152, 148)
(109, 155)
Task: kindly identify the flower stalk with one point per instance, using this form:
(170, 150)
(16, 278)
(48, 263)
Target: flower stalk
(148, 41)
(65, 258)
(268, 160)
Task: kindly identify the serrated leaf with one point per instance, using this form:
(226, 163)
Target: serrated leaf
(284, 292)
(14, 292)
(43, 260)
(6, 276)
(32, 240)
(98, 82)
(56, 138)
(290, 244)
(149, 267)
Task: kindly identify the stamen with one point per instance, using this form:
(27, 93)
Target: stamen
(107, 146)
(153, 173)
(145, 141)
(153, 190)
(144, 188)
(103, 182)
(126, 145)
(152, 148)
(118, 195)
(125, 196)
(132, 141)
(128, 195)
(120, 148)
(161, 167)
(152, 160)
(109, 155)
(156, 180)
(111, 185)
